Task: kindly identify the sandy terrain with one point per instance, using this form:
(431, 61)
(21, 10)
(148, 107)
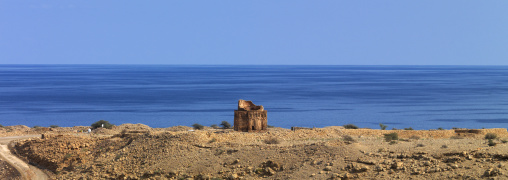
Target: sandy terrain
(25, 170)
(139, 152)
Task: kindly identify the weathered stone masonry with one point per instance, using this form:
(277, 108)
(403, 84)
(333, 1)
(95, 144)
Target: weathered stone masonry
(249, 117)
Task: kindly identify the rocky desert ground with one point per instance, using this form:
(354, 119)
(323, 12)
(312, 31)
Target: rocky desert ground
(136, 151)
(8, 172)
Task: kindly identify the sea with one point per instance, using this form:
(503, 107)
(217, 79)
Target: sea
(420, 97)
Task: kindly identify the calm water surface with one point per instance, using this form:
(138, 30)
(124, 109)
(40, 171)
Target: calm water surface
(422, 97)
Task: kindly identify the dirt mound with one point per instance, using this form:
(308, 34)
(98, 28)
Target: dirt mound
(58, 152)
(133, 127)
(15, 130)
(104, 131)
(178, 128)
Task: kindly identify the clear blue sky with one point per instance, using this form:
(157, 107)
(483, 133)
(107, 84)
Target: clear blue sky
(338, 32)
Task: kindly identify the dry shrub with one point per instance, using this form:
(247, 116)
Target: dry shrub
(414, 137)
(391, 136)
(225, 125)
(198, 126)
(491, 142)
(348, 138)
(272, 140)
(456, 137)
(102, 123)
(350, 126)
(490, 136)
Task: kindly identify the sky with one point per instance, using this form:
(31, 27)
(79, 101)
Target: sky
(257, 32)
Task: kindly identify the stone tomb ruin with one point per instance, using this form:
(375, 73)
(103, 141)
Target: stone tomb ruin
(249, 117)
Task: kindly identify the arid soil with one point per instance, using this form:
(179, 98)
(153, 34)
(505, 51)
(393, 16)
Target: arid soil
(8, 172)
(19, 168)
(139, 152)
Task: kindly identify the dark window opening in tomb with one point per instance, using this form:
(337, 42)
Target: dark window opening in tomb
(253, 128)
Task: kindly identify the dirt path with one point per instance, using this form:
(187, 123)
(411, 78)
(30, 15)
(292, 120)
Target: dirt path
(27, 171)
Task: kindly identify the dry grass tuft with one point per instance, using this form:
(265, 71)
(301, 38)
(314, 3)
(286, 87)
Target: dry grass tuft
(272, 140)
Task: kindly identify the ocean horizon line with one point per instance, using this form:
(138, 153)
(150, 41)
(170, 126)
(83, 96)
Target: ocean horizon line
(335, 65)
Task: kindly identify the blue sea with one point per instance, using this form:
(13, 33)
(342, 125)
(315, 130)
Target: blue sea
(421, 97)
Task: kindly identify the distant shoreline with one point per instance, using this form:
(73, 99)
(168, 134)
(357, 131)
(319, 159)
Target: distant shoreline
(431, 133)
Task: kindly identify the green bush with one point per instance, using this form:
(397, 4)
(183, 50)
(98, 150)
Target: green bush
(37, 127)
(54, 126)
(391, 136)
(225, 125)
(198, 126)
(214, 126)
(393, 142)
(490, 136)
(440, 128)
(491, 142)
(350, 126)
(410, 128)
(383, 127)
(99, 124)
(1, 126)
